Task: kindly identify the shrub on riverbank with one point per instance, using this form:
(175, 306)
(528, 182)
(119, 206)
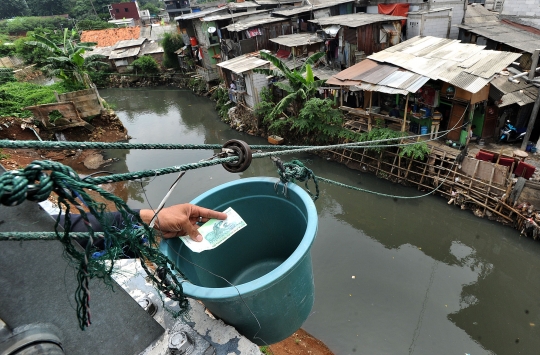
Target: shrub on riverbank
(145, 65)
(16, 95)
(223, 104)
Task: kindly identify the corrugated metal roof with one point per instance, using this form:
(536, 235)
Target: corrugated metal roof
(335, 81)
(200, 14)
(469, 82)
(300, 9)
(504, 33)
(105, 51)
(493, 63)
(515, 98)
(243, 63)
(129, 43)
(233, 15)
(376, 74)
(466, 66)
(356, 20)
(244, 25)
(124, 53)
(397, 78)
(356, 69)
(505, 86)
(380, 88)
(297, 39)
(151, 47)
(242, 5)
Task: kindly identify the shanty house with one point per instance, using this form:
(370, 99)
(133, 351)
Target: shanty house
(300, 15)
(204, 44)
(254, 33)
(353, 37)
(125, 52)
(248, 84)
(431, 81)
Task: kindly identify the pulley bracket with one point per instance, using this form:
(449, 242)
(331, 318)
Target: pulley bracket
(240, 149)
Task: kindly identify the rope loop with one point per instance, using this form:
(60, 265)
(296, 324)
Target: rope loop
(34, 184)
(296, 170)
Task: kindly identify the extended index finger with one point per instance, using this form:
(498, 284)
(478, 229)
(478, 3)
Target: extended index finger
(208, 213)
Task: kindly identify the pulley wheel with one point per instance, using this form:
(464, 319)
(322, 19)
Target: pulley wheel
(243, 151)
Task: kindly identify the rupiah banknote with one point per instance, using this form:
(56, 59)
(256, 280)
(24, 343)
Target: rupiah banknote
(215, 232)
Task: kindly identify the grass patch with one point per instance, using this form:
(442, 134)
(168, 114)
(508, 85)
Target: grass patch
(15, 96)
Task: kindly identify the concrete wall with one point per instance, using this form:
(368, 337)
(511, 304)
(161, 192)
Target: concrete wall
(457, 12)
(525, 8)
(87, 101)
(428, 24)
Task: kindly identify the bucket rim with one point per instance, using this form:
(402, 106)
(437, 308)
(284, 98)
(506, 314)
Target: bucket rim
(260, 283)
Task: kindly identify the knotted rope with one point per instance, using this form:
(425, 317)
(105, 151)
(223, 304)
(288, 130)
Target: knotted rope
(34, 184)
(296, 170)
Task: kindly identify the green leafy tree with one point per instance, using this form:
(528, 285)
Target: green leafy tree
(6, 75)
(48, 7)
(90, 10)
(154, 10)
(66, 61)
(12, 8)
(300, 86)
(171, 42)
(88, 24)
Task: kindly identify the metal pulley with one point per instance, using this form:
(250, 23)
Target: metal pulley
(240, 149)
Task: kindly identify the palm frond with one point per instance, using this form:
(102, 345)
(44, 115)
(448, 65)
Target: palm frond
(48, 46)
(284, 86)
(309, 74)
(311, 60)
(284, 103)
(278, 63)
(94, 57)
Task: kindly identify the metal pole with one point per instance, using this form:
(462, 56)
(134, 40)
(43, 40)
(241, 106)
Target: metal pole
(534, 113)
(532, 120)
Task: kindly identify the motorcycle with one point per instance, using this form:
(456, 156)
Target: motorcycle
(510, 134)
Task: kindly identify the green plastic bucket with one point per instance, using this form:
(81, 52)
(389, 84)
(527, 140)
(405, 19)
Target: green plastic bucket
(268, 261)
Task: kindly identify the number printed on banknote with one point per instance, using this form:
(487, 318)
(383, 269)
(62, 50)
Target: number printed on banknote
(216, 231)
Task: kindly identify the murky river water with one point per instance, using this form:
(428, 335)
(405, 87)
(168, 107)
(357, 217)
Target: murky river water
(391, 277)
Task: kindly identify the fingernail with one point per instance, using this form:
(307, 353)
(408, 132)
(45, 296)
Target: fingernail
(198, 238)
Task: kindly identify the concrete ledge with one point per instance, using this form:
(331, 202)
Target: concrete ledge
(224, 338)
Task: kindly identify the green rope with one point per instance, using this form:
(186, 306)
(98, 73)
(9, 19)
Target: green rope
(137, 236)
(296, 170)
(118, 145)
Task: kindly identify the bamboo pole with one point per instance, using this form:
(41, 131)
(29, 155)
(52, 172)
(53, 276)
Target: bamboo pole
(489, 208)
(405, 114)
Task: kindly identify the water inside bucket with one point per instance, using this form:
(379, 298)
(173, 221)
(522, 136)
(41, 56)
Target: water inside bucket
(255, 271)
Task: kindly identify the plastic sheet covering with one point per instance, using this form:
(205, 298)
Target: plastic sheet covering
(395, 10)
(332, 30)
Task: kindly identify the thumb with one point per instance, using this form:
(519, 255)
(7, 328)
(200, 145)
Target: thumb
(193, 233)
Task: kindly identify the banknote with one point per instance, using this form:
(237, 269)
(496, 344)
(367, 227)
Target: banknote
(216, 231)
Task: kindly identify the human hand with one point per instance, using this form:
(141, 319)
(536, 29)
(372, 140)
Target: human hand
(180, 220)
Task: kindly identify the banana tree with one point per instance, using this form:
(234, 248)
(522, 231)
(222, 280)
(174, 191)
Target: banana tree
(66, 61)
(300, 83)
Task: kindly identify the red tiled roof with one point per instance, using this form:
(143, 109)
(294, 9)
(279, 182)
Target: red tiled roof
(109, 37)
